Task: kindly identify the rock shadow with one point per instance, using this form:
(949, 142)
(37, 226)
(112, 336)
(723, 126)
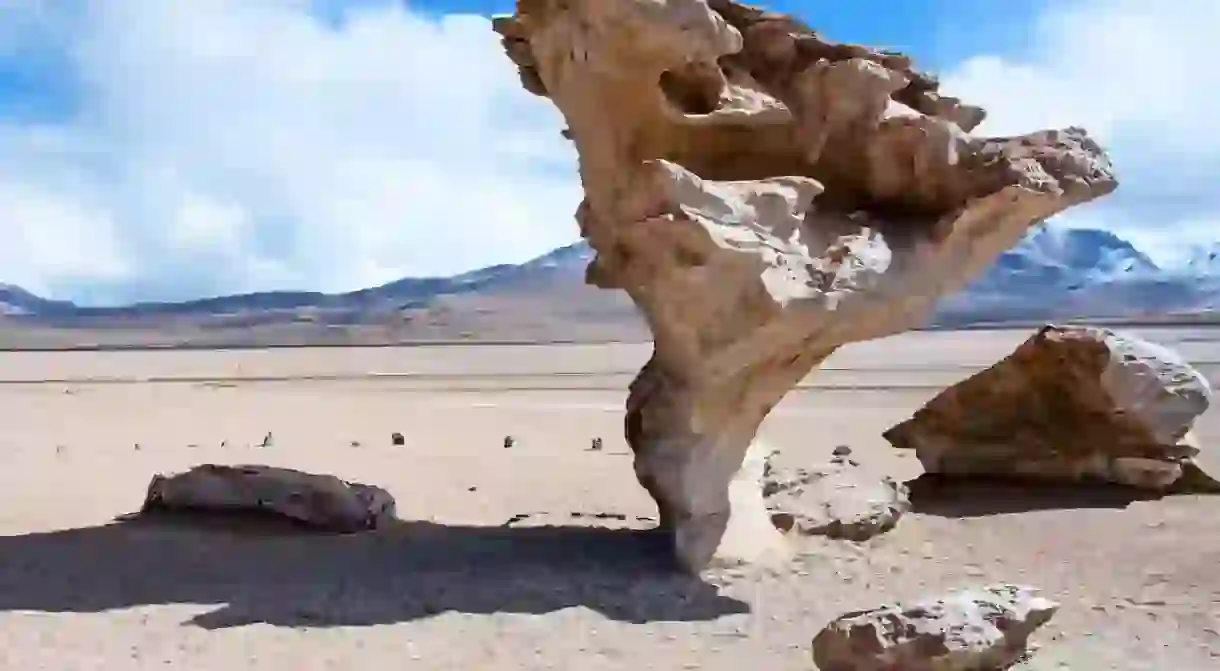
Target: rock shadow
(942, 496)
(261, 571)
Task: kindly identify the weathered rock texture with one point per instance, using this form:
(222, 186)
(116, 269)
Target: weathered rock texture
(974, 630)
(706, 129)
(1070, 404)
(837, 500)
(320, 501)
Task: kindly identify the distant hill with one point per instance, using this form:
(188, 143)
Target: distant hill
(1058, 273)
(1054, 273)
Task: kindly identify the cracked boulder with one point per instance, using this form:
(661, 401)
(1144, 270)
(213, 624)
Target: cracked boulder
(982, 629)
(320, 501)
(765, 196)
(1070, 404)
(838, 500)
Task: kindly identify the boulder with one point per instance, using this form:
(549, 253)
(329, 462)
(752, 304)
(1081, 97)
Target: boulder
(764, 196)
(1070, 404)
(319, 501)
(837, 500)
(982, 629)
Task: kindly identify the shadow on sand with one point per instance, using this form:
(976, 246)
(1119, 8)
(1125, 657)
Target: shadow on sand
(979, 497)
(263, 571)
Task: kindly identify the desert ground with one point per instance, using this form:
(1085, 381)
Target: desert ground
(572, 582)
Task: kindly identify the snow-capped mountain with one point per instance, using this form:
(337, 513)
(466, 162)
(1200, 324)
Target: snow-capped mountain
(1061, 272)
(1204, 261)
(1054, 273)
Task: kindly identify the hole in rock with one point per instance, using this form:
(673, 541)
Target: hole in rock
(694, 88)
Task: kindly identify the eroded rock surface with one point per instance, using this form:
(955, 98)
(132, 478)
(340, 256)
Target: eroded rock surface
(982, 629)
(766, 196)
(837, 500)
(320, 501)
(1070, 404)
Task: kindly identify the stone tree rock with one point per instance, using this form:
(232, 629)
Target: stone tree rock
(1070, 403)
(973, 630)
(765, 196)
(320, 501)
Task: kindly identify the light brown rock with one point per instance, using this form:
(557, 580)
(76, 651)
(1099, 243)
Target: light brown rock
(320, 501)
(1070, 404)
(838, 500)
(766, 196)
(982, 629)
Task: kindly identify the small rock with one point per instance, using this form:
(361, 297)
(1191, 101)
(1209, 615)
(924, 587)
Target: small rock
(137, 447)
(397, 438)
(509, 441)
(837, 502)
(267, 440)
(972, 630)
(842, 451)
(597, 444)
(355, 443)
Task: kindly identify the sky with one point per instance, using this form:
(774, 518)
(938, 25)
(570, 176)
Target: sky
(173, 150)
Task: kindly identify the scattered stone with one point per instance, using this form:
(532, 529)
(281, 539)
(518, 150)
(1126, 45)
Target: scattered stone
(1070, 404)
(983, 629)
(397, 438)
(519, 517)
(597, 444)
(355, 443)
(842, 451)
(320, 501)
(267, 440)
(224, 443)
(677, 94)
(137, 447)
(837, 501)
(509, 441)
(600, 520)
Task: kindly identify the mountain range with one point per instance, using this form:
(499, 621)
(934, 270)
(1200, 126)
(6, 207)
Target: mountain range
(1054, 274)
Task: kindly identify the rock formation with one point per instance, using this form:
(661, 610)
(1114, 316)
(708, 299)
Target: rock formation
(319, 501)
(973, 630)
(766, 196)
(1071, 403)
(837, 500)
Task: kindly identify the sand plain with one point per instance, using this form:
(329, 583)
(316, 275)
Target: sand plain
(573, 583)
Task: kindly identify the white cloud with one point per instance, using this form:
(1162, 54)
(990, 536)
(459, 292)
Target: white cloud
(230, 145)
(219, 146)
(1138, 75)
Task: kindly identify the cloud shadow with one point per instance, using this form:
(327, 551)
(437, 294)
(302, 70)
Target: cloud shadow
(260, 571)
(942, 496)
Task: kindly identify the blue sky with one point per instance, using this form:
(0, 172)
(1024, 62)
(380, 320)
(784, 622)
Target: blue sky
(199, 147)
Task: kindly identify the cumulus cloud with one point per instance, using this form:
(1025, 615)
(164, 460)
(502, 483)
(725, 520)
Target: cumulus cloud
(178, 149)
(221, 146)
(1137, 74)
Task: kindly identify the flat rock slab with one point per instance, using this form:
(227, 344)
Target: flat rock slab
(1070, 404)
(980, 629)
(837, 500)
(319, 501)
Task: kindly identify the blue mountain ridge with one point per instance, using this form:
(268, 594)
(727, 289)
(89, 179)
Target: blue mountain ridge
(1053, 273)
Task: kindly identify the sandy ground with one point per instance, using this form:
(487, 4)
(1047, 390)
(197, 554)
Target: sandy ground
(454, 589)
